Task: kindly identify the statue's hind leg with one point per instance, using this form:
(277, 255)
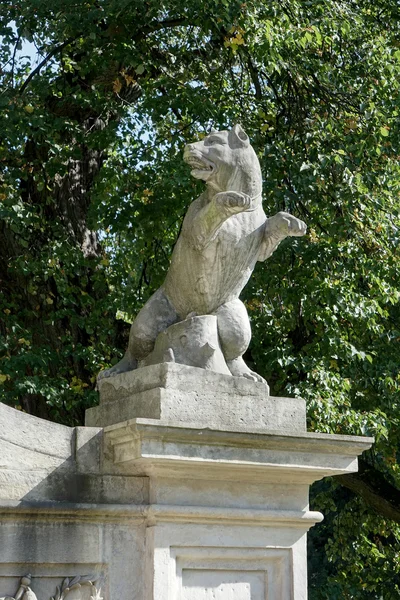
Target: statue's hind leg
(235, 334)
(156, 315)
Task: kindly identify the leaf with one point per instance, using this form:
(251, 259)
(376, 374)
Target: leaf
(117, 85)
(65, 584)
(74, 580)
(384, 131)
(129, 79)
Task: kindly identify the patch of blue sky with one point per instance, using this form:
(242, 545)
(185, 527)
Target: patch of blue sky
(22, 49)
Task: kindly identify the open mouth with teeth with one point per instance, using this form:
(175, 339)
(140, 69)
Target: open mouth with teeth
(201, 167)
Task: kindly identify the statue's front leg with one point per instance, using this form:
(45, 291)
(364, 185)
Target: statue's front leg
(204, 227)
(277, 228)
(230, 203)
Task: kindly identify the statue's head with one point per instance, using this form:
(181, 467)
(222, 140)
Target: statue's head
(226, 161)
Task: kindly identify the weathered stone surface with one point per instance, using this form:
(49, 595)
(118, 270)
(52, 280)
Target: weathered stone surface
(172, 392)
(52, 544)
(229, 510)
(45, 461)
(173, 376)
(224, 233)
(34, 435)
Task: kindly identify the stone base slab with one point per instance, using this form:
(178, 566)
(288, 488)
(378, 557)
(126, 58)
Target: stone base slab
(184, 394)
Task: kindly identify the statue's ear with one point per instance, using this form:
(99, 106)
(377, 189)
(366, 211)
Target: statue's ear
(238, 138)
(213, 130)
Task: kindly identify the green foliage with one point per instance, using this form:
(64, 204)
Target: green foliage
(91, 142)
(352, 554)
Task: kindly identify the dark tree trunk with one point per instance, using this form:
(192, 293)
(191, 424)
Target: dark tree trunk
(375, 490)
(67, 205)
(62, 202)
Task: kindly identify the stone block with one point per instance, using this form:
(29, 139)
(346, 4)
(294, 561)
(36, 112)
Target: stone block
(178, 393)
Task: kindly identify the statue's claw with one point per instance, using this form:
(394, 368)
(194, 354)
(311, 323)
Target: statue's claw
(169, 355)
(238, 368)
(124, 365)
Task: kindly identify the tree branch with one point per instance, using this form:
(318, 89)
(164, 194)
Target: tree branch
(254, 77)
(46, 59)
(273, 87)
(13, 60)
(372, 486)
(168, 23)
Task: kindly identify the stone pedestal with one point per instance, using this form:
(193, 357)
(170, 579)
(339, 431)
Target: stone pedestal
(229, 509)
(194, 487)
(178, 393)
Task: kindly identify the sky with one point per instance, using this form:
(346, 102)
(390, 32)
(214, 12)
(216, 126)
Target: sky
(27, 49)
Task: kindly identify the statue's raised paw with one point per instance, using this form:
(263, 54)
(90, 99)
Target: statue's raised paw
(285, 224)
(297, 227)
(233, 201)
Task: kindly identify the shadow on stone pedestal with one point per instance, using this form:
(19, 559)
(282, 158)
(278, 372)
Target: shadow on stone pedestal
(192, 485)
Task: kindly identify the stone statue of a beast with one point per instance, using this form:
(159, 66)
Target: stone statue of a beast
(224, 233)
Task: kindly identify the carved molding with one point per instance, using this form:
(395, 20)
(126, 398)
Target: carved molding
(68, 585)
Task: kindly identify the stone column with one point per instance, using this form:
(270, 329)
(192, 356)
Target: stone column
(229, 469)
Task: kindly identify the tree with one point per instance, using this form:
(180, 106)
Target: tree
(94, 190)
